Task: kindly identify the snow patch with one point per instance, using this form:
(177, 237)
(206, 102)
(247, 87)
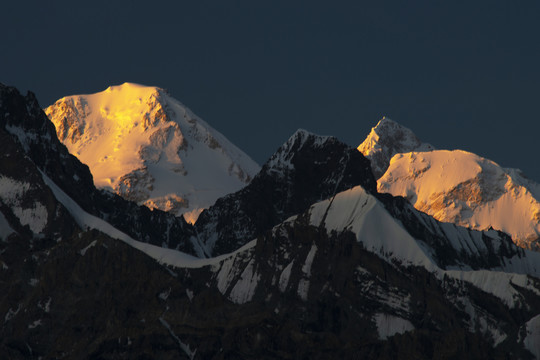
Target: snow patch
(12, 192)
(390, 325)
(285, 276)
(226, 274)
(306, 269)
(185, 348)
(35, 324)
(92, 244)
(45, 307)
(35, 217)
(532, 337)
(11, 313)
(245, 287)
(165, 294)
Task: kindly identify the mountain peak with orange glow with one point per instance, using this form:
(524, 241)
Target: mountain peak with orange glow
(468, 190)
(385, 140)
(148, 147)
(454, 186)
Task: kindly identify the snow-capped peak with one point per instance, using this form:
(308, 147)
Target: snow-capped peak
(387, 139)
(466, 189)
(148, 147)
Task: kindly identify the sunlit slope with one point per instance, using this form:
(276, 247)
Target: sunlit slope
(148, 147)
(466, 189)
(385, 140)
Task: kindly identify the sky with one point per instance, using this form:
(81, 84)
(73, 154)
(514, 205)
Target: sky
(460, 74)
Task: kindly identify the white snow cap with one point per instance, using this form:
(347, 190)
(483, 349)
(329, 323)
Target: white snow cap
(454, 186)
(148, 147)
(385, 140)
(468, 190)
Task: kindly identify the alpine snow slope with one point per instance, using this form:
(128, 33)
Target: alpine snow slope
(387, 139)
(353, 274)
(147, 147)
(455, 186)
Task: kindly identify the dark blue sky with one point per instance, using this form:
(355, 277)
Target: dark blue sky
(460, 74)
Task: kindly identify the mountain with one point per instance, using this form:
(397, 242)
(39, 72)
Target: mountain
(465, 189)
(387, 139)
(455, 186)
(342, 279)
(306, 169)
(351, 274)
(33, 137)
(147, 147)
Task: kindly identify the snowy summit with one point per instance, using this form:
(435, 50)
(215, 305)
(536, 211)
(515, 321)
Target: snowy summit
(387, 139)
(454, 186)
(468, 190)
(144, 145)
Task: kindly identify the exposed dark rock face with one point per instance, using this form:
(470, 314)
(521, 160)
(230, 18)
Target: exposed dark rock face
(26, 203)
(84, 298)
(93, 303)
(22, 118)
(306, 169)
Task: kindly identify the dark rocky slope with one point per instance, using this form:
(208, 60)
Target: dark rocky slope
(306, 169)
(114, 302)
